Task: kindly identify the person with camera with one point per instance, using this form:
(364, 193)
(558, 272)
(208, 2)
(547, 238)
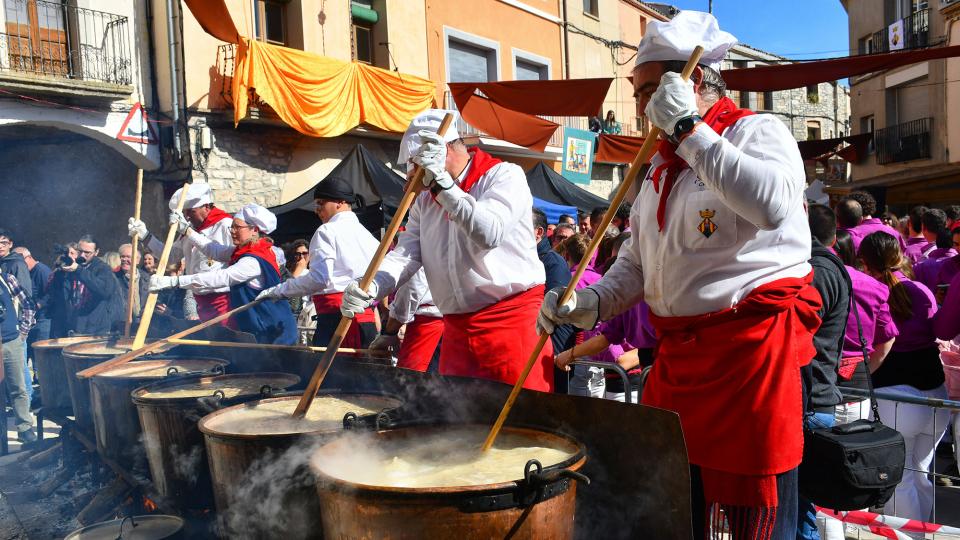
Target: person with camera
(85, 296)
(16, 319)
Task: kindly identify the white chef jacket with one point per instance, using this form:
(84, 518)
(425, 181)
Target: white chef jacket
(245, 270)
(752, 180)
(340, 252)
(475, 248)
(413, 298)
(196, 262)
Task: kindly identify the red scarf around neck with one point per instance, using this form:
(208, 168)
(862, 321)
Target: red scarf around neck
(480, 162)
(214, 217)
(261, 248)
(722, 115)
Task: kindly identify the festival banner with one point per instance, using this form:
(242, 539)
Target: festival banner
(578, 147)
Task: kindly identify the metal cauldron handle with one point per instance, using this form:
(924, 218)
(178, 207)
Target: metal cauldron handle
(266, 391)
(124, 520)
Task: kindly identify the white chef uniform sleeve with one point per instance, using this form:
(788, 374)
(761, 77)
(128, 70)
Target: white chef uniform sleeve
(210, 248)
(486, 219)
(762, 180)
(404, 261)
(408, 299)
(323, 254)
(622, 286)
(242, 271)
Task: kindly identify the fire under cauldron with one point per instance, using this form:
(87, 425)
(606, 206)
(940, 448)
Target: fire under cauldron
(433, 482)
(48, 361)
(115, 419)
(258, 456)
(169, 412)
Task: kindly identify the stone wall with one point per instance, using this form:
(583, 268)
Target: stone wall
(795, 109)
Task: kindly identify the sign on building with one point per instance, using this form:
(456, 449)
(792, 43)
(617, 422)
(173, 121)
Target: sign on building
(578, 147)
(895, 35)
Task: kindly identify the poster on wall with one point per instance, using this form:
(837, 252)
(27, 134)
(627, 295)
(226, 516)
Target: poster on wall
(578, 147)
(895, 36)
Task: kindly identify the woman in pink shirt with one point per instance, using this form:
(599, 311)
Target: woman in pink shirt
(586, 381)
(912, 368)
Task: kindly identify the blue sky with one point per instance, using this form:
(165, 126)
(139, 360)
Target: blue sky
(797, 29)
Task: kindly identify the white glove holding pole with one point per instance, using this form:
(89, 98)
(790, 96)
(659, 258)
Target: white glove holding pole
(432, 156)
(582, 310)
(177, 220)
(159, 283)
(386, 342)
(137, 227)
(673, 101)
(356, 300)
(270, 293)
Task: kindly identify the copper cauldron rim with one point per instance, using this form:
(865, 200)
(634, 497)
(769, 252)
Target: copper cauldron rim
(64, 342)
(139, 399)
(159, 360)
(78, 349)
(574, 462)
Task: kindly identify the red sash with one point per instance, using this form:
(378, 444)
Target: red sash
(419, 342)
(495, 342)
(330, 303)
(733, 376)
(480, 163)
(261, 248)
(215, 216)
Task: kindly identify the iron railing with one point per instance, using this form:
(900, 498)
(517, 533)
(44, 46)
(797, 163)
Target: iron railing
(57, 40)
(903, 142)
(916, 33)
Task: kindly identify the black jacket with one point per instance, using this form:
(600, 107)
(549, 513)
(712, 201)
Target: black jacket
(558, 275)
(831, 280)
(14, 264)
(96, 311)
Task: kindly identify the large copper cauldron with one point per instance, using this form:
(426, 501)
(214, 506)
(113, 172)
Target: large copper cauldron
(169, 412)
(537, 504)
(115, 419)
(261, 481)
(48, 361)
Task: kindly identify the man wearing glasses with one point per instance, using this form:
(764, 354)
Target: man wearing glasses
(85, 295)
(340, 252)
(13, 263)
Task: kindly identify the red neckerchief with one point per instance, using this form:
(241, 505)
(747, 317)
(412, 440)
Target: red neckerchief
(722, 115)
(215, 216)
(261, 248)
(480, 163)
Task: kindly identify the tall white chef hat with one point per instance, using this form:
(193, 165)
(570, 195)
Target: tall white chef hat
(428, 119)
(675, 39)
(258, 216)
(197, 195)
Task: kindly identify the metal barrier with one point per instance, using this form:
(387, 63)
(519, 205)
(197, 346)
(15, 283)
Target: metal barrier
(612, 366)
(935, 404)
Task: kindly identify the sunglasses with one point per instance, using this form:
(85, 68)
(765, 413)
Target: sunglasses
(300, 254)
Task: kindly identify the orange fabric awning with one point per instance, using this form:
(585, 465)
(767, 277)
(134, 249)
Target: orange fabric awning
(316, 95)
(503, 123)
(569, 97)
(618, 148)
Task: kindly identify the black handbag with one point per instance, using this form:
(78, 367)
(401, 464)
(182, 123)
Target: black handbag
(856, 465)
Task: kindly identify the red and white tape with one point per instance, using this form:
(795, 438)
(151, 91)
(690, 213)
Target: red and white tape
(887, 526)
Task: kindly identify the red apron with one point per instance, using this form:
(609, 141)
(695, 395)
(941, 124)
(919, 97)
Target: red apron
(213, 305)
(330, 303)
(495, 342)
(419, 342)
(733, 376)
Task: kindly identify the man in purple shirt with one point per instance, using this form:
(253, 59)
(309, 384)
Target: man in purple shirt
(933, 225)
(871, 224)
(941, 264)
(916, 243)
(849, 216)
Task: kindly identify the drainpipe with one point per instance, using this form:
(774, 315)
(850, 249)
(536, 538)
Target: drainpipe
(152, 56)
(836, 125)
(174, 88)
(566, 42)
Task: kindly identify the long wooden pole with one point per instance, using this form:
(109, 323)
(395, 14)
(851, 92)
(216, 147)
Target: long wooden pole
(146, 312)
(413, 188)
(159, 344)
(134, 243)
(238, 345)
(644, 155)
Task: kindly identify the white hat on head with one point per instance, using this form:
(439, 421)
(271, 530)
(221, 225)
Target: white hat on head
(197, 195)
(258, 216)
(428, 119)
(675, 39)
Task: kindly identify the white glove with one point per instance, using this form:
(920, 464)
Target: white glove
(270, 293)
(355, 300)
(159, 283)
(432, 156)
(385, 342)
(137, 227)
(673, 101)
(177, 220)
(582, 310)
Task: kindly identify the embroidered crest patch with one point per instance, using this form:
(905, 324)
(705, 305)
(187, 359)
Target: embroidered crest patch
(707, 227)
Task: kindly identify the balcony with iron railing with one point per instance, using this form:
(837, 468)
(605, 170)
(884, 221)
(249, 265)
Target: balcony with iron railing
(47, 40)
(916, 33)
(903, 142)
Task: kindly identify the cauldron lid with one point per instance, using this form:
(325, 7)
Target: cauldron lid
(153, 527)
(107, 347)
(159, 368)
(59, 343)
(242, 384)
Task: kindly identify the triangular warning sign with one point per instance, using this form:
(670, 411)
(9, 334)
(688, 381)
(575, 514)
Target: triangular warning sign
(136, 127)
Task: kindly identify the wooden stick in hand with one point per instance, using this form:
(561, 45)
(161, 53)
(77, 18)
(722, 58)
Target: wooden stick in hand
(413, 188)
(643, 156)
(134, 243)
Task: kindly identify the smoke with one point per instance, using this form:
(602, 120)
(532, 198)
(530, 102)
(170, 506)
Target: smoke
(187, 462)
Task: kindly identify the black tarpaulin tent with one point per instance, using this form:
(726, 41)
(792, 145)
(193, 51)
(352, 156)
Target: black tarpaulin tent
(378, 188)
(547, 184)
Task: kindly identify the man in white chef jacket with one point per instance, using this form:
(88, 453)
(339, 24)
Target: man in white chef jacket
(470, 232)
(212, 222)
(719, 252)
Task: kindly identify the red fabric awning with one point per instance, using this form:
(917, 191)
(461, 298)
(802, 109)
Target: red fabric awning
(503, 123)
(214, 19)
(800, 74)
(618, 148)
(571, 97)
(818, 147)
(857, 148)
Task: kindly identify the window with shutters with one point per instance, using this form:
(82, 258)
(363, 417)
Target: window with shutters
(471, 58)
(591, 7)
(530, 67)
(270, 21)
